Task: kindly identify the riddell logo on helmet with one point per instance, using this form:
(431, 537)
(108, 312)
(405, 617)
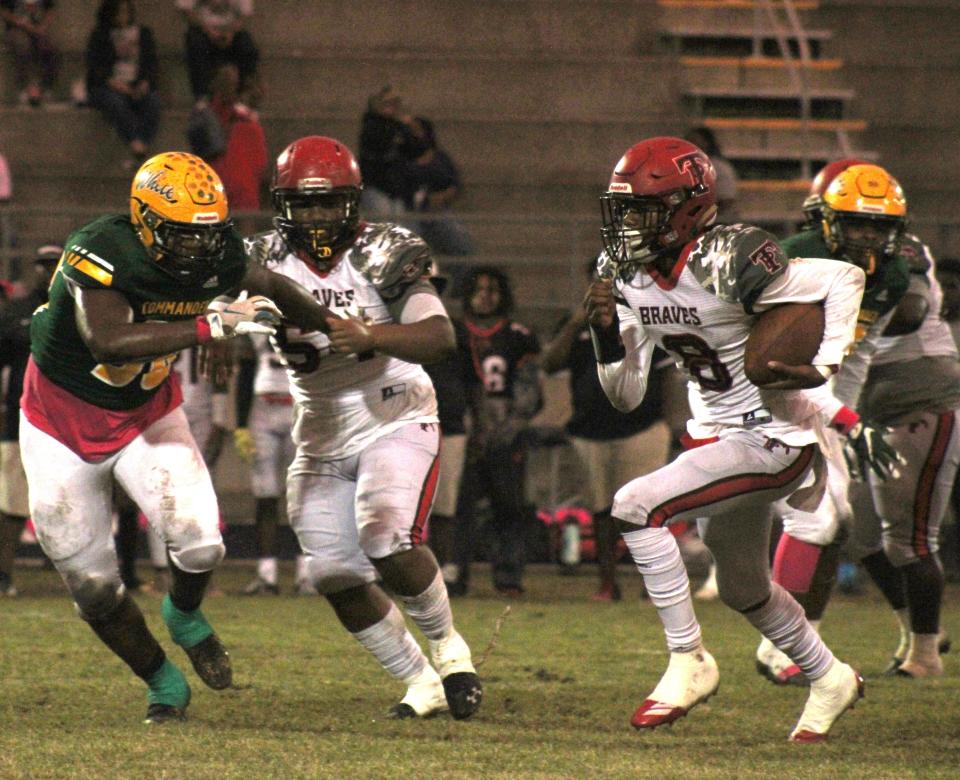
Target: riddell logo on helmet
(154, 183)
(695, 164)
(206, 216)
(314, 183)
(620, 186)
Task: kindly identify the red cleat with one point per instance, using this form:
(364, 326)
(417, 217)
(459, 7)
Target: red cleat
(690, 679)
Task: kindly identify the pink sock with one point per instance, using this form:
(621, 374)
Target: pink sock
(795, 563)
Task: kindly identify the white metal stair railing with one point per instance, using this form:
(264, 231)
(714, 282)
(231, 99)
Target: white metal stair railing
(798, 75)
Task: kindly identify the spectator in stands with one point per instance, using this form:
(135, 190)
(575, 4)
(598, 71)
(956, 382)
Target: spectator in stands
(948, 274)
(612, 447)
(35, 57)
(450, 380)
(6, 194)
(14, 353)
(406, 164)
(504, 393)
(122, 71)
(215, 36)
(704, 137)
(228, 135)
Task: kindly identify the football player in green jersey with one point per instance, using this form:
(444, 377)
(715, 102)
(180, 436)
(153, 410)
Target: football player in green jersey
(100, 403)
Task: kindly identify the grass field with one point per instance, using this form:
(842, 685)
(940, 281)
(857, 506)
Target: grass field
(561, 684)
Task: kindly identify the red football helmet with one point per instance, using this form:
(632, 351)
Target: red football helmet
(813, 203)
(663, 193)
(316, 196)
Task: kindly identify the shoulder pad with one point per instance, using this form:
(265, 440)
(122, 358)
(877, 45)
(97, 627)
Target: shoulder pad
(89, 253)
(265, 249)
(916, 254)
(606, 269)
(390, 257)
(737, 262)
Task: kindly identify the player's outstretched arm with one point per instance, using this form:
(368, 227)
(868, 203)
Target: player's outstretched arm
(429, 340)
(105, 321)
(298, 305)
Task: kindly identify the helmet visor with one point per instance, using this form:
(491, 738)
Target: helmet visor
(317, 223)
(191, 252)
(863, 239)
(631, 226)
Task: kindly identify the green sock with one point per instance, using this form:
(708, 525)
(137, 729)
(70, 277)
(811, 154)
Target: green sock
(186, 628)
(168, 686)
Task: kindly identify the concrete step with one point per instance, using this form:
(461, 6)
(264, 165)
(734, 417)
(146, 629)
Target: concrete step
(601, 26)
(781, 124)
(751, 73)
(720, 37)
(708, 99)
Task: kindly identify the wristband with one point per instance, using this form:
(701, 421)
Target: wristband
(203, 330)
(607, 346)
(845, 420)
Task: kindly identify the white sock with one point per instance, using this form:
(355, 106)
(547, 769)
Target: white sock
(781, 621)
(815, 625)
(394, 646)
(303, 573)
(431, 609)
(657, 555)
(267, 570)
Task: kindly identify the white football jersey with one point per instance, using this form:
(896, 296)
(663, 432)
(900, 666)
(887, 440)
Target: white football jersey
(271, 377)
(345, 402)
(702, 314)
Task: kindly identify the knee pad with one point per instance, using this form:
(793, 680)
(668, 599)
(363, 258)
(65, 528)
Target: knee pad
(199, 559)
(381, 540)
(899, 553)
(95, 595)
(333, 577)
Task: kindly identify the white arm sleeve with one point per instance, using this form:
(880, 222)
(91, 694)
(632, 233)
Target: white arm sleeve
(420, 306)
(625, 382)
(839, 285)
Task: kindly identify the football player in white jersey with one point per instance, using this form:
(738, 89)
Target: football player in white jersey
(360, 489)
(668, 279)
(262, 438)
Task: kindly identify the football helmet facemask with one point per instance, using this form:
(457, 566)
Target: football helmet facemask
(864, 215)
(814, 201)
(662, 194)
(316, 198)
(179, 209)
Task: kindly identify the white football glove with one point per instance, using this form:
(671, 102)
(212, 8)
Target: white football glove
(228, 318)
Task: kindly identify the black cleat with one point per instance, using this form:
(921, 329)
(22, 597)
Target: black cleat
(164, 713)
(401, 711)
(464, 694)
(211, 662)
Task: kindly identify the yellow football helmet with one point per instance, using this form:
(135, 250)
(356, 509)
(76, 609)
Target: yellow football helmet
(864, 215)
(179, 209)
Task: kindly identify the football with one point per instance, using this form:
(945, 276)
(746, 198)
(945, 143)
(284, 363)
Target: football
(790, 333)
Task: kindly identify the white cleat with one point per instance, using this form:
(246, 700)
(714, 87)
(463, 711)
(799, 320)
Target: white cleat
(709, 591)
(830, 696)
(777, 667)
(690, 679)
(424, 697)
(451, 656)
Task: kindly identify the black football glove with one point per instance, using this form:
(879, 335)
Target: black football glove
(865, 449)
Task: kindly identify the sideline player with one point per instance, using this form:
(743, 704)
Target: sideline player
(262, 438)
(361, 486)
(669, 279)
(100, 403)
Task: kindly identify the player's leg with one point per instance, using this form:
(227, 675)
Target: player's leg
(805, 564)
(444, 516)
(127, 539)
(506, 469)
(599, 486)
(396, 483)
(14, 508)
(473, 485)
(265, 482)
(71, 509)
(912, 508)
(163, 471)
(320, 504)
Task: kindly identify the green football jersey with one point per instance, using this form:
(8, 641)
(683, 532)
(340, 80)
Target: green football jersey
(885, 287)
(107, 255)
